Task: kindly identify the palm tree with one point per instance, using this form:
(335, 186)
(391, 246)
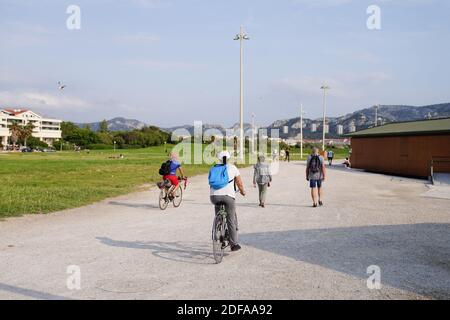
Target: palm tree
(26, 132)
(15, 132)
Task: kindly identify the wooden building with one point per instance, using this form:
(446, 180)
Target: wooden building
(413, 148)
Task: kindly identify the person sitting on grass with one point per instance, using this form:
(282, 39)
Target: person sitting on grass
(347, 163)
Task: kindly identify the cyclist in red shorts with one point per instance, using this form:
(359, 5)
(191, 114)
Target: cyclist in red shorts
(172, 176)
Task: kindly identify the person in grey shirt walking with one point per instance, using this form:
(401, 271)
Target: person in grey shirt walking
(262, 177)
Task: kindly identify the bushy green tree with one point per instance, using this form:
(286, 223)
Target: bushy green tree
(138, 138)
(82, 137)
(67, 129)
(105, 138)
(35, 143)
(103, 126)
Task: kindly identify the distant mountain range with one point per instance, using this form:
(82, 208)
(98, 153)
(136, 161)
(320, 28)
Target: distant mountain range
(116, 124)
(359, 120)
(312, 128)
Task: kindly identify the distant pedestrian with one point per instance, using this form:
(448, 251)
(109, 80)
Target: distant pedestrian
(315, 174)
(288, 159)
(330, 156)
(262, 177)
(274, 155)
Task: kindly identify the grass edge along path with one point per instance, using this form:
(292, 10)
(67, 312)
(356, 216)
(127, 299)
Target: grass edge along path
(40, 183)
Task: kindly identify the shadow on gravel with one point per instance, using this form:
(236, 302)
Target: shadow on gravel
(415, 257)
(269, 204)
(196, 253)
(134, 205)
(254, 205)
(30, 293)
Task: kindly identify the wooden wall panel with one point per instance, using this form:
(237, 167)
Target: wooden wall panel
(408, 155)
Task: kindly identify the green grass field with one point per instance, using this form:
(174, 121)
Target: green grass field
(339, 154)
(46, 182)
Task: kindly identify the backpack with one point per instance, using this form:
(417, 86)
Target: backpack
(218, 177)
(165, 168)
(314, 164)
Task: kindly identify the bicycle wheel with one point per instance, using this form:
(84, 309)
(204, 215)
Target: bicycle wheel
(178, 197)
(163, 199)
(218, 234)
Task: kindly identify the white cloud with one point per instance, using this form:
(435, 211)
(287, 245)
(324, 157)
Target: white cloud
(332, 3)
(310, 86)
(152, 4)
(346, 86)
(18, 34)
(137, 39)
(322, 3)
(40, 100)
(158, 64)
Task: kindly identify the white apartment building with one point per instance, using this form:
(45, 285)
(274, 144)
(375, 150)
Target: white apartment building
(47, 130)
(352, 127)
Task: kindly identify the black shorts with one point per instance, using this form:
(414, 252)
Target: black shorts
(315, 183)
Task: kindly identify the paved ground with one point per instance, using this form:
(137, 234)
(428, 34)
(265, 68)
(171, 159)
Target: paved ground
(441, 187)
(128, 249)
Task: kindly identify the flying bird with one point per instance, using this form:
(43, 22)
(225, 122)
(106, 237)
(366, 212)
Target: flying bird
(61, 86)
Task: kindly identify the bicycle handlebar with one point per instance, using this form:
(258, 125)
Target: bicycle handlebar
(185, 179)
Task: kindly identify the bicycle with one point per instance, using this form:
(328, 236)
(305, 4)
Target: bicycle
(166, 196)
(220, 234)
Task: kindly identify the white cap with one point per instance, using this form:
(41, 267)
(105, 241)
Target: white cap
(224, 154)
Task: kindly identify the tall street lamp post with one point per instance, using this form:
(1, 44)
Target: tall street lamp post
(241, 37)
(376, 115)
(301, 130)
(253, 134)
(324, 88)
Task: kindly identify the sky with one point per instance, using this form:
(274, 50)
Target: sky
(173, 62)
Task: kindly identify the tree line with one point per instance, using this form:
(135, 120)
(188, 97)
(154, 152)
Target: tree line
(85, 138)
(22, 136)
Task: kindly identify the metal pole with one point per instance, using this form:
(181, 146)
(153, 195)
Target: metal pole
(301, 131)
(376, 115)
(241, 37)
(241, 151)
(324, 113)
(253, 133)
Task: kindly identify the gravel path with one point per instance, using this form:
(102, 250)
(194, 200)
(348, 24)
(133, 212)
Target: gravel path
(127, 248)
